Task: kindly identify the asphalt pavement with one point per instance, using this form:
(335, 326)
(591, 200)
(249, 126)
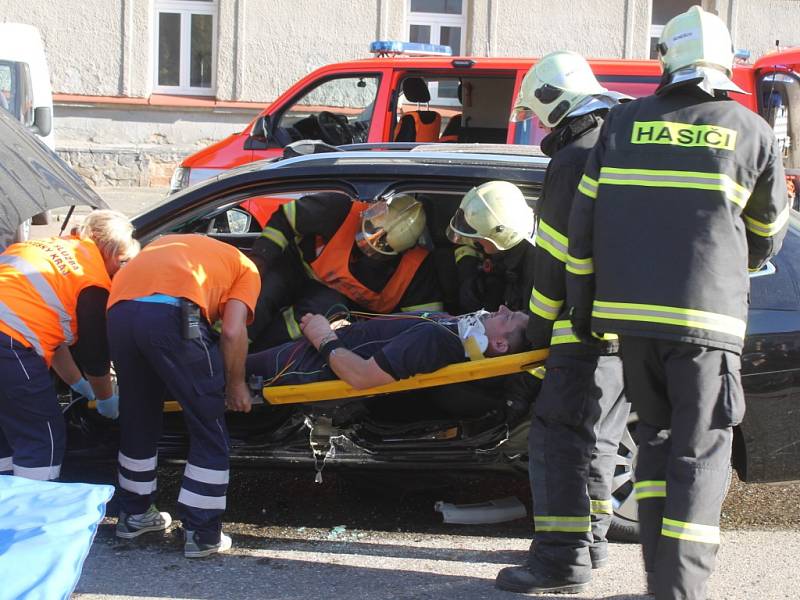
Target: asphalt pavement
(367, 536)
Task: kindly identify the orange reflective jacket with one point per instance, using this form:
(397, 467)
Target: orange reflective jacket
(332, 267)
(40, 281)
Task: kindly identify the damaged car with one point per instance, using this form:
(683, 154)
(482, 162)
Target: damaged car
(456, 424)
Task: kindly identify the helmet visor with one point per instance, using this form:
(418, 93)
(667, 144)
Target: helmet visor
(520, 114)
(460, 231)
(371, 239)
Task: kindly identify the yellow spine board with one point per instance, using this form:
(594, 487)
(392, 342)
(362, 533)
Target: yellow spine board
(466, 371)
(457, 373)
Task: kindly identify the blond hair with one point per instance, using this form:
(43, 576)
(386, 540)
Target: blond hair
(112, 232)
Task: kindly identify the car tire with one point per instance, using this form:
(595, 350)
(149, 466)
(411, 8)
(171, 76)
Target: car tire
(624, 525)
(43, 218)
(625, 520)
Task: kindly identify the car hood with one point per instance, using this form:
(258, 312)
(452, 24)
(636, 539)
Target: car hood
(33, 179)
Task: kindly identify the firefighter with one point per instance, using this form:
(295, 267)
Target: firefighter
(683, 193)
(580, 413)
(326, 250)
(492, 266)
(162, 342)
(53, 294)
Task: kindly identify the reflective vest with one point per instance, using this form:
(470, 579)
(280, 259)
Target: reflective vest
(332, 267)
(424, 131)
(40, 282)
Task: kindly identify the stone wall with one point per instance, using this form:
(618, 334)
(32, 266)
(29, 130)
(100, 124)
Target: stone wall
(124, 167)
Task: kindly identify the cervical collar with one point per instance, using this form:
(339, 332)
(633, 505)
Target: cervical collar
(472, 334)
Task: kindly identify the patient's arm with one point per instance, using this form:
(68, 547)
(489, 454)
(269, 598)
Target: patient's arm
(358, 372)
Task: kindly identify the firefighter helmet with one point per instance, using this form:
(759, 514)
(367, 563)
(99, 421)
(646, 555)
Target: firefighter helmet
(495, 211)
(391, 226)
(554, 87)
(696, 38)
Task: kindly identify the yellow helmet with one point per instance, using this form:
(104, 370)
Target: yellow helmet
(391, 226)
(554, 86)
(696, 38)
(495, 211)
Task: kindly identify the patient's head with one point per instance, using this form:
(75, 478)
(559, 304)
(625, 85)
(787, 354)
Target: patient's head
(506, 331)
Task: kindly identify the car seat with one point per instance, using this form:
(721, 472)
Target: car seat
(453, 128)
(418, 125)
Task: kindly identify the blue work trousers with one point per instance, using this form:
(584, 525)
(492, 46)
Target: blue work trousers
(153, 360)
(32, 430)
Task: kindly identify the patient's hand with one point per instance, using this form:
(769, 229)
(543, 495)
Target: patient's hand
(316, 328)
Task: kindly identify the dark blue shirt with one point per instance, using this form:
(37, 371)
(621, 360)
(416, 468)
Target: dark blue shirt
(402, 344)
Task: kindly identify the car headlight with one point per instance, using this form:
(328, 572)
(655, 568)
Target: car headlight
(179, 180)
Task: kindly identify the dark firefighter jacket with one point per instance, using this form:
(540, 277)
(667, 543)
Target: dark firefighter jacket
(681, 195)
(486, 281)
(568, 146)
(304, 226)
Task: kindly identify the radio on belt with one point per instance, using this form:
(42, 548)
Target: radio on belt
(190, 320)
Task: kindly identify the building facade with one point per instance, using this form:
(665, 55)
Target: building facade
(141, 83)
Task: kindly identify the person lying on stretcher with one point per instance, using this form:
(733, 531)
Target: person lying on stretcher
(387, 348)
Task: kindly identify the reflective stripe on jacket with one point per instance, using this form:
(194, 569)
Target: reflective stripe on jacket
(569, 145)
(40, 282)
(681, 195)
(332, 267)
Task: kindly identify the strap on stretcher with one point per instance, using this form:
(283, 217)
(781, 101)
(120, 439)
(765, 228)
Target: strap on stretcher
(338, 390)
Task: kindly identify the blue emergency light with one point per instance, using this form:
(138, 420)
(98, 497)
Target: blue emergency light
(742, 55)
(394, 48)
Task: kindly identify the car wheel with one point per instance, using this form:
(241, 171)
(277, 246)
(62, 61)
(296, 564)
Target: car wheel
(625, 520)
(42, 218)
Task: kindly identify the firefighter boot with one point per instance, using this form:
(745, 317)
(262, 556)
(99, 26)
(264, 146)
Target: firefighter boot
(525, 580)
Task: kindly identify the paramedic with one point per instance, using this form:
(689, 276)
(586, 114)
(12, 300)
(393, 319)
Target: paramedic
(161, 309)
(325, 250)
(683, 192)
(387, 348)
(580, 413)
(53, 295)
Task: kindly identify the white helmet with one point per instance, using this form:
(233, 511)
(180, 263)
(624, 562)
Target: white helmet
(494, 211)
(554, 87)
(695, 47)
(391, 226)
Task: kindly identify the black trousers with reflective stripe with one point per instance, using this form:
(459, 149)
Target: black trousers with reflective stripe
(687, 397)
(152, 361)
(579, 417)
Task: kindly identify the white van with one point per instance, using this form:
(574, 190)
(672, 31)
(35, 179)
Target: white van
(25, 89)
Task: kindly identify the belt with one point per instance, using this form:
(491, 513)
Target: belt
(159, 299)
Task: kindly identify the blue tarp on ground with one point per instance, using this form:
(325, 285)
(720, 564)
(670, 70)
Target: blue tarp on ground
(46, 529)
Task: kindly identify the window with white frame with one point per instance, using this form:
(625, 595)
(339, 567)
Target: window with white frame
(663, 11)
(439, 22)
(185, 46)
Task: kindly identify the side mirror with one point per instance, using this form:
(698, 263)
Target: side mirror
(261, 129)
(42, 120)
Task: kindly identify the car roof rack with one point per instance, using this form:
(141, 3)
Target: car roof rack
(510, 149)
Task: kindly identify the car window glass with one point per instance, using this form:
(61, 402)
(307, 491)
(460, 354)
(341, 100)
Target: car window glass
(337, 111)
(779, 101)
(6, 86)
(775, 288)
(472, 109)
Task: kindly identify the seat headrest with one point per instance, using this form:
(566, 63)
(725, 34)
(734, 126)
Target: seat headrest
(416, 90)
